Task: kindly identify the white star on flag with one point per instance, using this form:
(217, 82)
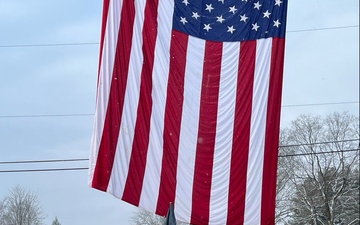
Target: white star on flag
(207, 27)
(231, 29)
(267, 14)
(243, 18)
(232, 9)
(209, 7)
(186, 2)
(220, 19)
(276, 23)
(278, 2)
(255, 26)
(183, 20)
(195, 15)
(257, 5)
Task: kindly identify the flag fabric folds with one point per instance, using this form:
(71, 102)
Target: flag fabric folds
(188, 107)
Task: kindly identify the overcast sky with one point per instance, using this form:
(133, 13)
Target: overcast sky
(321, 66)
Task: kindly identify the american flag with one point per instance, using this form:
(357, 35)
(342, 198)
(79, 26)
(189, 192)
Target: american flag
(188, 107)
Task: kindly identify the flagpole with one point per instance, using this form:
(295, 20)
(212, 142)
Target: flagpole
(170, 217)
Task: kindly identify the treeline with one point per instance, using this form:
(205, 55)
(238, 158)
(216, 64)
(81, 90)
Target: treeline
(22, 207)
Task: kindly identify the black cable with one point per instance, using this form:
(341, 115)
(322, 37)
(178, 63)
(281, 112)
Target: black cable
(97, 43)
(48, 115)
(319, 153)
(316, 104)
(43, 170)
(92, 114)
(318, 143)
(85, 159)
(48, 45)
(86, 168)
(43, 161)
(324, 28)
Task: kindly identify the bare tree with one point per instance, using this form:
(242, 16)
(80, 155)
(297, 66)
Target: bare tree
(322, 185)
(283, 188)
(143, 217)
(21, 207)
(2, 212)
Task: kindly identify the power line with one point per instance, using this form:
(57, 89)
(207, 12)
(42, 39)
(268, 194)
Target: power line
(43, 161)
(43, 170)
(48, 45)
(318, 143)
(86, 159)
(86, 168)
(92, 114)
(317, 104)
(319, 153)
(48, 115)
(97, 43)
(324, 28)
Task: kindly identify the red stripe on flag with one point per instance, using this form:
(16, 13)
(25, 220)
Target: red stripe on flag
(107, 148)
(173, 113)
(241, 136)
(135, 178)
(207, 133)
(272, 132)
(103, 27)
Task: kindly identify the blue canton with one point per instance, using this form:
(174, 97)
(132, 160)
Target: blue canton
(231, 20)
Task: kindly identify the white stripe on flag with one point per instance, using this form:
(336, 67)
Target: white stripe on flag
(224, 133)
(257, 132)
(160, 77)
(189, 128)
(127, 126)
(104, 82)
